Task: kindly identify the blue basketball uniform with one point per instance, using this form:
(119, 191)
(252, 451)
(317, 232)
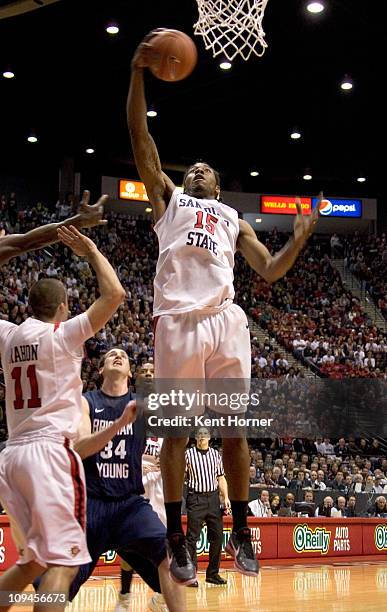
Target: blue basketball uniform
(118, 517)
(110, 473)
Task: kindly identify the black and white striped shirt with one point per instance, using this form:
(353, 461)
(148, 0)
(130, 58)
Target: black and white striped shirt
(202, 468)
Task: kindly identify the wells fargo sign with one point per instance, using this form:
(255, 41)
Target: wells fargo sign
(284, 205)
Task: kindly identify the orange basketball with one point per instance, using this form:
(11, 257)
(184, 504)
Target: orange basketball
(173, 55)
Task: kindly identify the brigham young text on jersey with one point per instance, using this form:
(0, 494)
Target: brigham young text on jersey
(112, 470)
(108, 473)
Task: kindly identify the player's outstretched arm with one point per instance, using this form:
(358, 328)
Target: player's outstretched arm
(158, 185)
(112, 293)
(88, 443)
(273, 267)
(17, 244)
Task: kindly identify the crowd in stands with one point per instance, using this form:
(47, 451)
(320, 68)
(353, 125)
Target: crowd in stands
(366, 257)
(309, 312)
(312, 314)
(130, 246)
(304, 467)
(8, 208)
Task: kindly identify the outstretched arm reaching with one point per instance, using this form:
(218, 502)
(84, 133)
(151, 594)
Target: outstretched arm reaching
(89, 443)
(273, 267)
(158, 185)
(17, 244)
(111, 292)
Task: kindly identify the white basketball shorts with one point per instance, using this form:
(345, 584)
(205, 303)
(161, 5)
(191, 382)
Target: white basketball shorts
(42, 489)
(194, 345)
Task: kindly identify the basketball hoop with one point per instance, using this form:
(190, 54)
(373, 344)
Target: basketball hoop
(232, 27)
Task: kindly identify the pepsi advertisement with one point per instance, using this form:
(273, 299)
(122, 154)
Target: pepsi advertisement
(334, 207)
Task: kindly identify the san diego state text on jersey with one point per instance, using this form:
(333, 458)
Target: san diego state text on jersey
(202, 241)
(192, 203)
(206, 218)
(196, 237)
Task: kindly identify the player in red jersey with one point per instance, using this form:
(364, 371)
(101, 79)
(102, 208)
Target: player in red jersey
(41, 477)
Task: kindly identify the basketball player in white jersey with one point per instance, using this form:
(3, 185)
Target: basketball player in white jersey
(13, 245)
(200, 332)
(41, 478)
(151, 473)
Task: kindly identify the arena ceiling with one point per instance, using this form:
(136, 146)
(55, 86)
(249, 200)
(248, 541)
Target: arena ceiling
(72, 77)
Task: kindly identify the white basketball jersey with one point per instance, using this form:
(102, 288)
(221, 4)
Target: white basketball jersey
(42, 364)
(152, 451)
(197, 243)
(152, 481)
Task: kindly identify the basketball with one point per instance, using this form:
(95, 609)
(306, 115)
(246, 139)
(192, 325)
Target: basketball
(173, 55)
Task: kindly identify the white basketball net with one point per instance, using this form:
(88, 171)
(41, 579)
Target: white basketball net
(232, 27)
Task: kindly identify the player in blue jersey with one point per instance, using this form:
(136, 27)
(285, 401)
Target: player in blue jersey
(111, 443)
(153, 485)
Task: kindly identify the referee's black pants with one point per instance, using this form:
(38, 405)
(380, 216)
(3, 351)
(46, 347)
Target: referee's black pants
(205, 508)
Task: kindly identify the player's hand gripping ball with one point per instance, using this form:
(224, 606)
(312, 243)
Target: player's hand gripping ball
(170, 55)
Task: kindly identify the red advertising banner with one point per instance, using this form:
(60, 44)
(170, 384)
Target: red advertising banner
(108, 558)
(314, 538)
(8, 552)
(284, 205)
(375, 538)
(274, 538)
(263, 538)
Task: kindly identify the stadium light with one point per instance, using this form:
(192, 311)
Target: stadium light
(315, 7)
(112, 28)
(32, 137)
(295, 134)
(347, 83)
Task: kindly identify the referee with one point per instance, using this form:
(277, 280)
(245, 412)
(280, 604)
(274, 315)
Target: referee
(205, 477)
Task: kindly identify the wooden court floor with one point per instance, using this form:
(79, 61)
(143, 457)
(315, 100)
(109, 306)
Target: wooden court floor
(356, 587)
